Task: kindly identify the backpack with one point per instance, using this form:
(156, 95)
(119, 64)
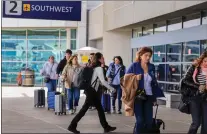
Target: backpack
(86, 77)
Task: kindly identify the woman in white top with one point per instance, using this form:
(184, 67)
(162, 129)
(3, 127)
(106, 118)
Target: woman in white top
(49, 71)
(92, 97)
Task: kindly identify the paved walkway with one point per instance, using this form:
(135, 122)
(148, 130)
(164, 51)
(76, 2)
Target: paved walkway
(19, 116)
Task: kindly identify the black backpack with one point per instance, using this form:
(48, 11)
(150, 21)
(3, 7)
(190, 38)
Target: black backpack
(86, 77)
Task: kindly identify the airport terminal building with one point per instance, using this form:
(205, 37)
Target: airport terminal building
(175, 30)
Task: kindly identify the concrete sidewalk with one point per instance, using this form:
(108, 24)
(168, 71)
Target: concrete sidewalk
(19, 116)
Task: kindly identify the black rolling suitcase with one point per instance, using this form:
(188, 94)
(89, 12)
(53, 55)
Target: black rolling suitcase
(39, 98)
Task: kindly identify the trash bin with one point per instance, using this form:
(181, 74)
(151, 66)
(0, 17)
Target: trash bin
(27, 77)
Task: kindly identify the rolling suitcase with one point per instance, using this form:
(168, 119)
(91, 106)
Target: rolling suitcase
(39, 97)
(51, 100)
(106, 102)
(60, 102)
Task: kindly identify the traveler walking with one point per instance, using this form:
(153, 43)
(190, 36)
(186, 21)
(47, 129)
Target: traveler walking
(147, 90)
(92, 96)
(49, 73)
(71, 75)
(114, 73)
(195, 79)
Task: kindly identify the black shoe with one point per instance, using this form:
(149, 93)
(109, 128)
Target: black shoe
(109, 129)
(74, 130)
(119, 112)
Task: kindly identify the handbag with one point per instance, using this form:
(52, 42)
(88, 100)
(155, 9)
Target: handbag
(184, 107)
(141, 95)
(47, 79)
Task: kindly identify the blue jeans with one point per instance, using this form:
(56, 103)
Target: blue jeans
(73, 97)
(114, 96)
(143, 111)
(51, 85)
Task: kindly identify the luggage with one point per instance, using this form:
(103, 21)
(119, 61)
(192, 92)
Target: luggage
(51, 100)
(106, 102)
(156, 124)
(39, 98)
(60, 101)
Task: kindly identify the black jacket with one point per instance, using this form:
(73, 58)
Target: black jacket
(188, 87)
(61, 65)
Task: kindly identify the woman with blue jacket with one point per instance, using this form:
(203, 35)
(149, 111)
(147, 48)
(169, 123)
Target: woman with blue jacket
(143, 107)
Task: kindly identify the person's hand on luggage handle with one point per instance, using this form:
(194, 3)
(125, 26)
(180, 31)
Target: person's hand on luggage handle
(139, 76)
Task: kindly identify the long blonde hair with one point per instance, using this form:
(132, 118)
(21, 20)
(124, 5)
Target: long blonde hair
(70, 61)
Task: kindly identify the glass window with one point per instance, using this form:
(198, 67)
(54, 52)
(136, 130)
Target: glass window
(160, 27)
(134, 54)
(13, 44)
(13, 34)
(185, 68)
(43, 44)
(42, 55)
(137, 32)
(159, 54)
(191, 51)
(62, 54)
(73, 34)
(161, 73)
(174, 24)
(174, 52)
(192, 20)
(63, 44)
(43, 34)
(173, 72)
(8, 78)
(204, 18)
(148, 30)
(203, 46)
(13, 55)
(73, 44)
(12, 66)
(36, 66)
(63, 34)
(172, 88)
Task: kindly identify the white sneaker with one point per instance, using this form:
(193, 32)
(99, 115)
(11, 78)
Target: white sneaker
(74, 110)
(71, 112)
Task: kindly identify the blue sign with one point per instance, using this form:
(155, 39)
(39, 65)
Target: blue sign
(51, 10)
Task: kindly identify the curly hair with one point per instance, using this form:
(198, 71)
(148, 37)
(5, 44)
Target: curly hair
(142, 51)
(199, 60)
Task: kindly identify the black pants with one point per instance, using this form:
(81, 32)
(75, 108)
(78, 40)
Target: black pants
(92, 98)
(199, 115)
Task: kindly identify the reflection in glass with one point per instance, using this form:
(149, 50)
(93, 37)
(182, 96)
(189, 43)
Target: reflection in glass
(63, 34)
(161, 73)
(63, 44)
(13, 44)
(62, 55)
(159, 54)
(43, 34)
(13, 55)
(12, 66)
(174, 24)
(174, 52)
(137, 32)
(43, 44)
(13, 34)
(160, 27)
(191, 51)
(73, 34)
(148, 30)
(43, 55)
(185, 68)
(36, 66)
(73, 44)
(173, 87)
(173, 72)
(204, 18)
(203, 46)
(9, 78)
(192, 20)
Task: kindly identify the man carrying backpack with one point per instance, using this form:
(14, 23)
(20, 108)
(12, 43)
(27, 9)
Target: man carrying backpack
(91, 78)
(114, 73)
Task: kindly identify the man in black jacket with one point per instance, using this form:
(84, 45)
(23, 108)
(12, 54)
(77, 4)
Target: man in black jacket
(63, 62)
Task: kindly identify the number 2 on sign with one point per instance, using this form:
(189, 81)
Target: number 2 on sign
(13, 7)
